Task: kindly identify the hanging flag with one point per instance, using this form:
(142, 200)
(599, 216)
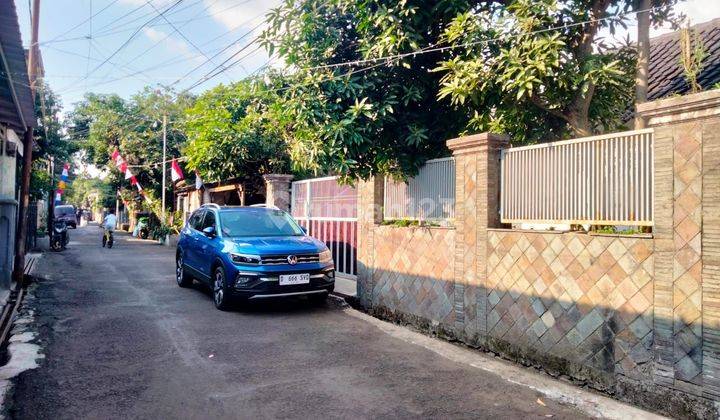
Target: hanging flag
(198, 181)
(133, 180)
(61, 185)
(123, 167)
(115, 154)
(58, 197)
(128, 174)
(137, 184)
(175, 171)
(64, 175)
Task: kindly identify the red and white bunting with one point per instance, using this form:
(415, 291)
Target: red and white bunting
(128, 174)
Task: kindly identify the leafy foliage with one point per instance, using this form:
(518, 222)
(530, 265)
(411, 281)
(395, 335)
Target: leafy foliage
(370, 117)
(230, 134)
(537, 69)
(104, 122)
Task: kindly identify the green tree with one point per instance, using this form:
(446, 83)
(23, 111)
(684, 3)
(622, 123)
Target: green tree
(537, 69)
(105, 122)
(370, 117)
(230, 135)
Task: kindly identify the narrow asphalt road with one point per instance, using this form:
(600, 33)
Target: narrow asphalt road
(121, 340)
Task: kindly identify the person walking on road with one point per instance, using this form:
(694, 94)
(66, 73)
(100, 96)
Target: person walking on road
(108, 225)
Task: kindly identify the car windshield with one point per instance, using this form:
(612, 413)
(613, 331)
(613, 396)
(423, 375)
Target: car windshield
(258, 223)
(64, 210)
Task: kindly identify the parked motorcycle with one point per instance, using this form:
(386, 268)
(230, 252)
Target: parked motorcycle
(59, 236)
(143, 228)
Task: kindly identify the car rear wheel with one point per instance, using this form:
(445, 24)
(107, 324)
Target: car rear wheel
(220, 295)
(182, 278)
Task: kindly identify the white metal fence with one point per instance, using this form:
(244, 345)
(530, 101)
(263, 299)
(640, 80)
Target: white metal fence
(328, 210)
(429, 195)
(601, 180)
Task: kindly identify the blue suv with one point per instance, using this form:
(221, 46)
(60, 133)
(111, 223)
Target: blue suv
(252, 253)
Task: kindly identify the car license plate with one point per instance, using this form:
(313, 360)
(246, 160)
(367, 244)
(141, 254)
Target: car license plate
(289, 279)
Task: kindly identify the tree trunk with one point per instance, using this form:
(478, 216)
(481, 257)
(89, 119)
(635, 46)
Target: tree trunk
(579, 124)
(643, 49)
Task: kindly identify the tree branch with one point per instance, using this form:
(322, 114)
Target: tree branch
(538, 102)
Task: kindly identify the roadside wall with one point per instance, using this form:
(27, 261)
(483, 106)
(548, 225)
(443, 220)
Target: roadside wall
(636, 316)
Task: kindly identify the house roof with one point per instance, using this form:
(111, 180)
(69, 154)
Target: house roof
(665, 71)
(16, 103)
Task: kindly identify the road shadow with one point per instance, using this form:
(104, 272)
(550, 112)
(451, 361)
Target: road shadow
(282, 305)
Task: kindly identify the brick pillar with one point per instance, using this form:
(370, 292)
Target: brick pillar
(477, 206)
(277, 190)
(370, 201)
(687, 241)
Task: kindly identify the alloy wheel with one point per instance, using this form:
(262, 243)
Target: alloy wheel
(179, 270)
(219, 288)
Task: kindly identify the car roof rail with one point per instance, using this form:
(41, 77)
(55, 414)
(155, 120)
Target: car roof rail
(263, 205)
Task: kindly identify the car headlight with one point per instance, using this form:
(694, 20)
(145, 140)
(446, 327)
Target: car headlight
(245, 259)
(326, 256)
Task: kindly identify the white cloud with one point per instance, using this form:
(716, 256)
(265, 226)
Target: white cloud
(696, 11)
(245, 14)
(173, 45)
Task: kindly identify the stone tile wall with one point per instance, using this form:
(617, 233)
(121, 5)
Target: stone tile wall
(586, 299)
(413, 272)
(642, 313)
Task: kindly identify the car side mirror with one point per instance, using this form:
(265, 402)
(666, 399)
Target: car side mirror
(209, 232)
(304, 229)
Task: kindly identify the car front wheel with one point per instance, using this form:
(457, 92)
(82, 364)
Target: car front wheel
(182, 278)
(220, 295)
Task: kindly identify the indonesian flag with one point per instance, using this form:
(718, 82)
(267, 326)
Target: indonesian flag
(123, 167)
(133, 180)
(198, 181)
(128, 174)
(58, 197)
(65, 171)
(175, 171)
(115, 154)
(139, 187)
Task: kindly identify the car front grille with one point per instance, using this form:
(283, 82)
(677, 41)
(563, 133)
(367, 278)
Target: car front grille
(283, 259)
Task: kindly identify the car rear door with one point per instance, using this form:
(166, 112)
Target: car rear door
(191, 245)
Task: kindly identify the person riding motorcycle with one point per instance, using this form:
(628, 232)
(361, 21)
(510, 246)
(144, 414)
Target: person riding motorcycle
(108, 225)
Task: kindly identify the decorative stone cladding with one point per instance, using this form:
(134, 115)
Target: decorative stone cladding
(637, 316)
(587, 299)
(414, 273)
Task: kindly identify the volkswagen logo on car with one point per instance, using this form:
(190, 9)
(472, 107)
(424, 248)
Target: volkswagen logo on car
(292, 259)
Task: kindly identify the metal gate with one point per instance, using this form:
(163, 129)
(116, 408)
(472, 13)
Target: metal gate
(328, 210)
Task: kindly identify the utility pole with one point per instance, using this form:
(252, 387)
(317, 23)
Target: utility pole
(117, 210)
(164, 165)
(51, 197)
(19, 266)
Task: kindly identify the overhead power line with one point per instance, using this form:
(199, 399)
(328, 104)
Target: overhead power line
(130, 39)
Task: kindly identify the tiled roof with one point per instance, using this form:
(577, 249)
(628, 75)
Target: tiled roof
(18, 112)
(665, 71)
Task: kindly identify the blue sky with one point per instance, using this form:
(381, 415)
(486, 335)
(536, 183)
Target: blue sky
(75, 48)
(75, 57)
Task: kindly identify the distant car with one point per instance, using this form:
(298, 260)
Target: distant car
(251, 253)
(67, 214)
